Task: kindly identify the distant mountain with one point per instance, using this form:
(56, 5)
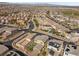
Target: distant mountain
(36, 4)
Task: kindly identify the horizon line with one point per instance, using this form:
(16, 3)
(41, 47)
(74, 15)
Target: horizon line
(56, 3)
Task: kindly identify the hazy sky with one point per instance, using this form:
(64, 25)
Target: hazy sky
(44, 1)
(67, 3)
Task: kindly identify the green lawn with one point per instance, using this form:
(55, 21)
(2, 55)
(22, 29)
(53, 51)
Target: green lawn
(36, 22)
(30, 46)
